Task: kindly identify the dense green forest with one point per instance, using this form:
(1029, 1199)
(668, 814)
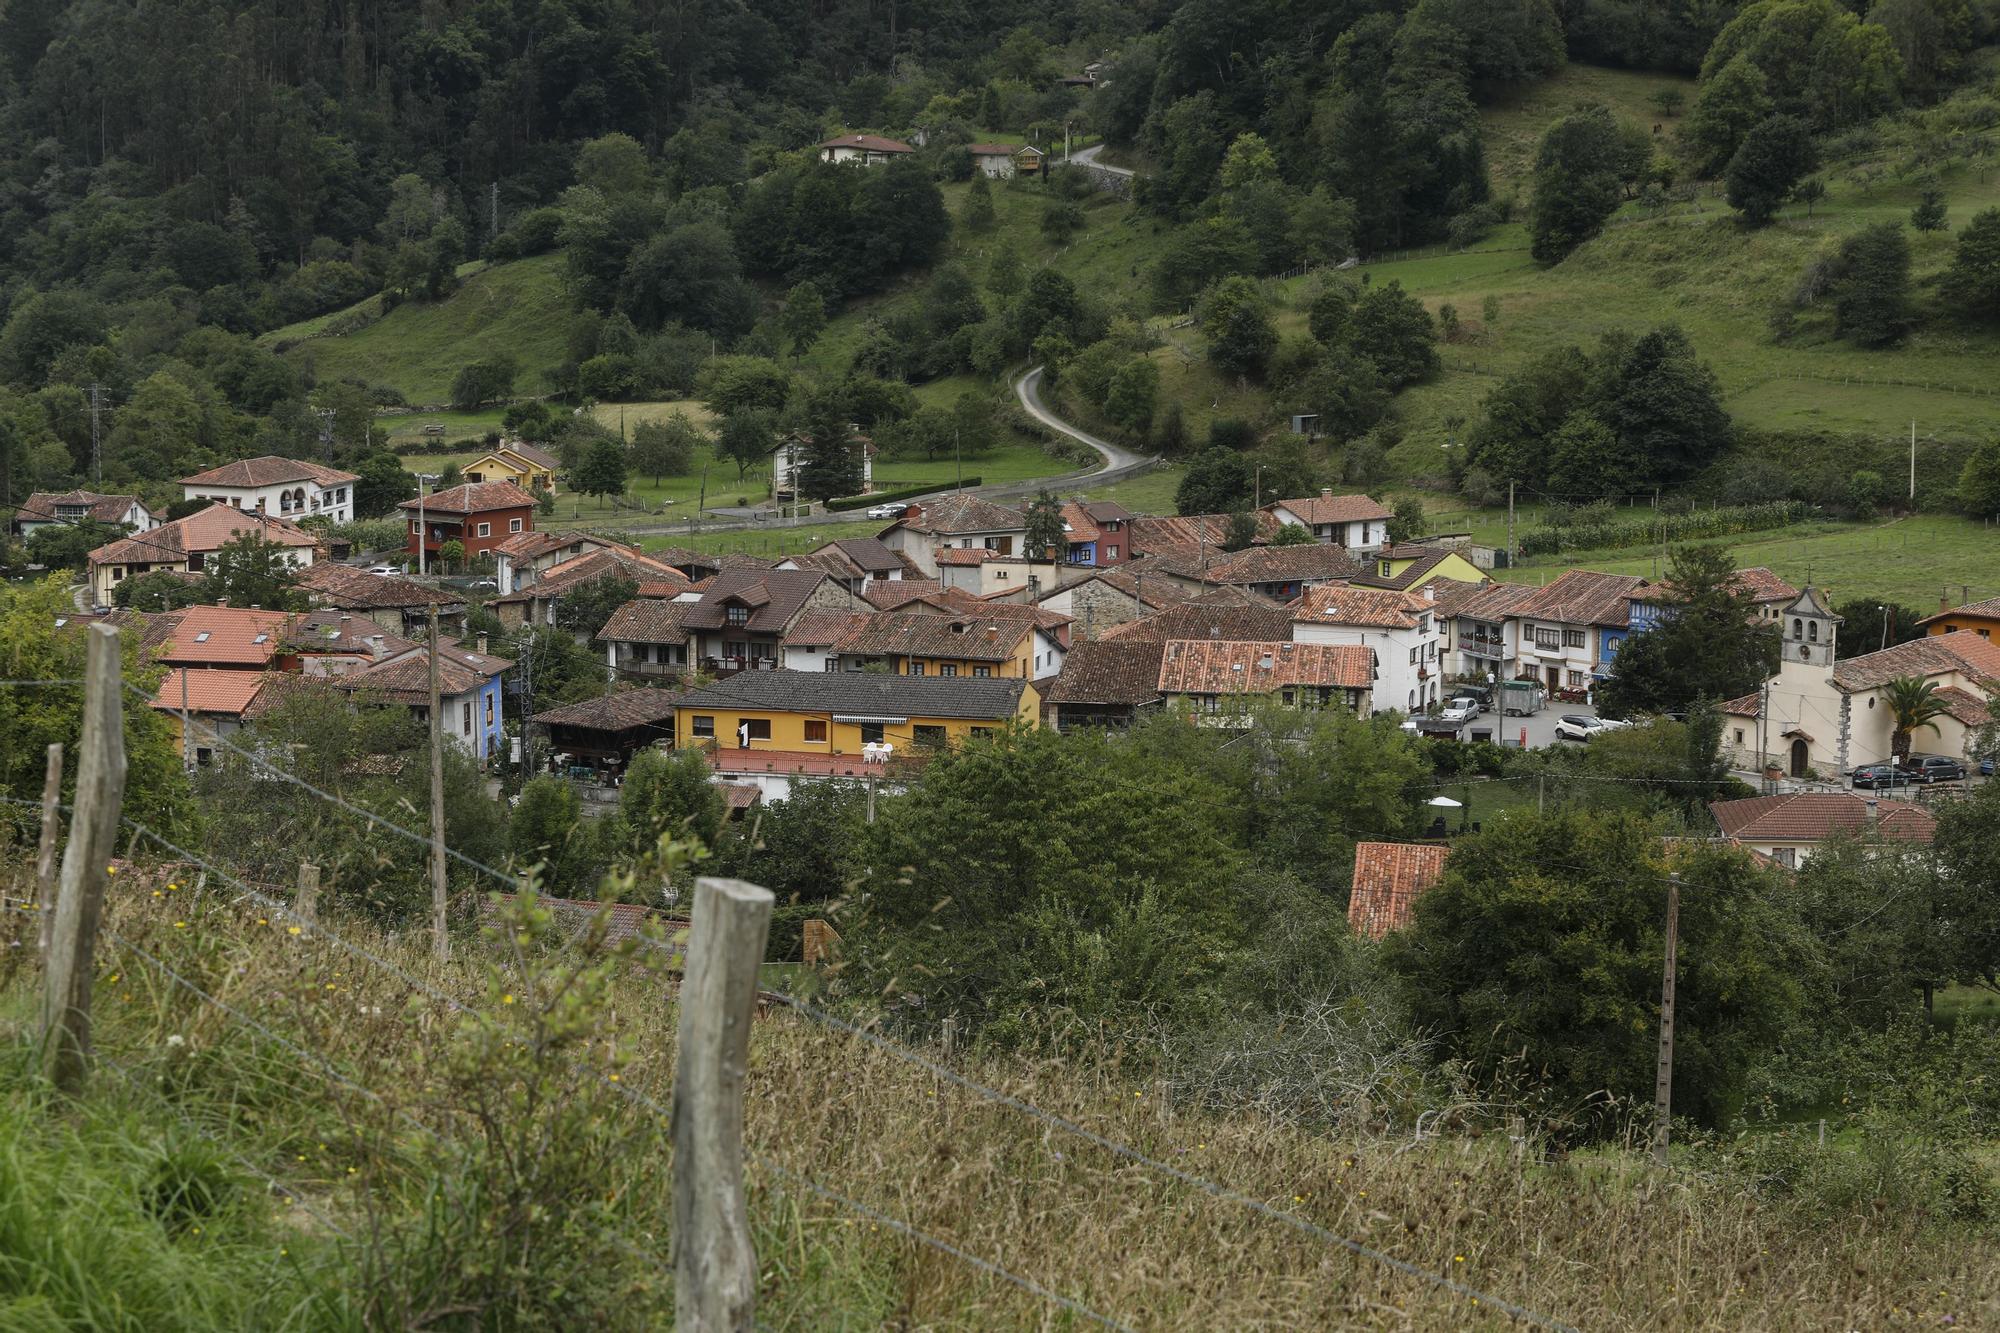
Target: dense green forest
(179, 180)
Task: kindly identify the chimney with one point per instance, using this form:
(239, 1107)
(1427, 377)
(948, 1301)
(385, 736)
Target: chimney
(1430, 592)
(482, 644)
(1944, 601)
(1326, 492)
(1874, 815)
(374, 642)
(222, 601)
(992, 634)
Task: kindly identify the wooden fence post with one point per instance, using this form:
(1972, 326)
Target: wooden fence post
(45, 854)
(306, 901)
(100, 794)
(715, 1265)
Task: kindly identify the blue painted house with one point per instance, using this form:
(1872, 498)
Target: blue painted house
(469, 692)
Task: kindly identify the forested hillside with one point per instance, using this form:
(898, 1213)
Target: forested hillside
(220, 222)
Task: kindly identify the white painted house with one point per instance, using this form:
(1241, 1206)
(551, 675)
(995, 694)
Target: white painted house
(958, 521)
(1401, 628)
(866, 150)
(1353, 521)
(281, 487)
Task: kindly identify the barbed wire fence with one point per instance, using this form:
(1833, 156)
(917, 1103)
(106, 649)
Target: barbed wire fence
(283, 921)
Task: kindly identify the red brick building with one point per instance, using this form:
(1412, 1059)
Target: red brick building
(481, 515)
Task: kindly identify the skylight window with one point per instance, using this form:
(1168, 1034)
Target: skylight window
(261, 638)
(201, 637)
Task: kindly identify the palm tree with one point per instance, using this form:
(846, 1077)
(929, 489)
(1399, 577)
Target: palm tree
(1913, 705)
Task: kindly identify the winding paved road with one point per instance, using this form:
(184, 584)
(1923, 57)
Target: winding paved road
(1087, 157)
(1119, 463)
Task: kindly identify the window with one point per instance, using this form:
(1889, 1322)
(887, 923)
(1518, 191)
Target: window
(1111, 552)
(1739, 735)
(982, 672)
(736, 615)
(932, 737)
(705, 726)
(915, 668)
(1812, 631)
(513, 525)
(1413, 657)
(485, 530)
(815, 731)
(1578, 678)
(832, 664)
(948, 668)
(1798, 629)
(1547, 637)
(1572, 638)
(416, 529)
(1787, 857)
(465, 717)
(871, 733)
(759, 728)
(982, 731)
(489, 710)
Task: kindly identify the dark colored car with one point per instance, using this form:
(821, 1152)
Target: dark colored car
(1880, 775)
(1935, 768)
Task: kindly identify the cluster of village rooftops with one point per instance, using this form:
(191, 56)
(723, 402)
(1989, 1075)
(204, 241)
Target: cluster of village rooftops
(861, 657)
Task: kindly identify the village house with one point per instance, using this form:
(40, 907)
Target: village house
(526, 556)
(1108, 683)
(1480, 639)
(1352, 521)
(983, 573)
(1400, 628)
(517, 461)
(1567, 633)
(535, 604)
(1790, 828)
(647, 637)
(480, 516)
(1220, 680)
(1389, 877)
(1257, 621)
(1096, 533)
(833, 714)
(185, 544)
(1003, 161)
(854, 563)
(1769, 596)
(46, 509)
(395, 605)
(286, 487)
(1980, 618)
(1105, 599)
(868, 150)
(471, 703)
(958, 521)
(339, 643)
(1193, 537)
(791, 453)
(205, 705)
(1407, 567)
(929, 642)
(604, 733)
(1280, 573)
(1820, 714)
(742, 619)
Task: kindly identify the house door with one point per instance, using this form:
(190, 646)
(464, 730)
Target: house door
(1555, 678)
(1799, 763)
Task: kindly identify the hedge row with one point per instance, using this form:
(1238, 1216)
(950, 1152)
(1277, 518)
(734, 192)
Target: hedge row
(885, 497)
(1718, 522)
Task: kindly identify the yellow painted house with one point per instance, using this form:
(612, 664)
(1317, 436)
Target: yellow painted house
(836, 713)
(523, 464)
(1981, 618)
(1405, 567)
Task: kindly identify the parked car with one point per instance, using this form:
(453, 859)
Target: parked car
(887, 511)
(1472, 703)
(1873, 776)
(1935, 768)
(488, 585)
(1459, 711)
(384, 571)
(1578, 727)
(1986, 766)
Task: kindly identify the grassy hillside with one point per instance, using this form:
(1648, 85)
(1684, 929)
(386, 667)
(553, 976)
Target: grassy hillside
(518, 309)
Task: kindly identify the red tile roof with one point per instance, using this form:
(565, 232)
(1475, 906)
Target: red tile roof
(959, 513)
(1224, 666)
(774, 598)
(971, 638)
(1327, 508)
(209, 530)
(889, 594)
(475, 497)
(647, 620)
(624, 710)
(1191, 533)
(1816, 816)
(44, 507)
(1934, 655)
(1389, 877)
(872, 143)
(1346, 604)
(968, 555)
(270, 470)
(1584, 597)
(588, 568)
(1191, 620)
(209, 690)
(328, 584)
(1989, 609)
(1283, 564)
(1108, 672)
(227, 636)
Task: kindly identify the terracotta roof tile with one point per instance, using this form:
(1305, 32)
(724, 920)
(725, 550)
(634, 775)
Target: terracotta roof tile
(859, 693)
(227, 635)
(344, 586)
(270, 470)
(46, 507)
(1108, 672)
(474, 497)
(209, 690)
(1284, 564)
(1389, 877)
(589, 568)
(1990, 608)
(971, 638)
(621, 711)
(1814, 816)
(891, 593)
(872, 143)
(209, 530)
(1193, 621)
(1226, 666)
(823, 629)
(1934, 655)
(774, 598)
(647, 620)
(1317, 509)
(1346, 604)
(959, 513)
(1584, 597)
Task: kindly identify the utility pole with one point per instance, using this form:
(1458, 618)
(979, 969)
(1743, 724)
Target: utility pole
(1913, 460)
(440, 945)
(958, 461)
(96, 440)
(325, 415)
(1663, 1083)
(1510, 524)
